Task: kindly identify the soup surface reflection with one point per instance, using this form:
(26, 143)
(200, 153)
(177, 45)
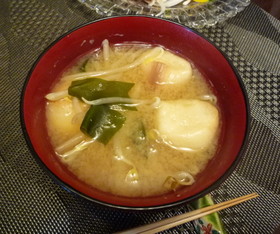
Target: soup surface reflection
(133, 120)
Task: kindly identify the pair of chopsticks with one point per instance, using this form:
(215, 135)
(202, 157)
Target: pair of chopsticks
(183, 218)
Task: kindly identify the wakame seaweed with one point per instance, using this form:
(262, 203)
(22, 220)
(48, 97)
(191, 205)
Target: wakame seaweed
(95, 88)
(101, 123)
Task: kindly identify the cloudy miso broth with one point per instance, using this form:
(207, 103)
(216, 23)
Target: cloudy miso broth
(133, 120)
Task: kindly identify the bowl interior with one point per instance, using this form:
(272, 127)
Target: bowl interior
(206, 57)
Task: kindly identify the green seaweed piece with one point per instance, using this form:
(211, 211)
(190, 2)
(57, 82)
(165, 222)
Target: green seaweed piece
(95, 88)
(102, 123)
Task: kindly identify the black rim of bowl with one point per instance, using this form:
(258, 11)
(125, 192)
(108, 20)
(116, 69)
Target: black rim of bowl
(69, 188)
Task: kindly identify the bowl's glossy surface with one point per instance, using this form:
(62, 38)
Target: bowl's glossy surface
(210, 61)
(194, 14)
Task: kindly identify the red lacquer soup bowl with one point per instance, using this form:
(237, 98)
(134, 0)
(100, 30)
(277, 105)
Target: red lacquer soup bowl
(210, 61)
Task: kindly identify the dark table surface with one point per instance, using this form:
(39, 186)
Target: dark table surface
(32, 203)
(271, 6)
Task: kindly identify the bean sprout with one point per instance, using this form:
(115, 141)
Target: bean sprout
(146, 57)
(132, 175)
(57, 95)
(124, 101)
(210, 98)
(106, 49)
(79, 147)
(70, 143)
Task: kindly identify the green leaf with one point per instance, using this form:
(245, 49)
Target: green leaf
(102, 123)
(95, 88)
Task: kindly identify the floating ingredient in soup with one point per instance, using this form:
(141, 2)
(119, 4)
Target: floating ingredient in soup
(169, 69)
(187, 124)
(94, 88)
(133, 120)
(145, 56)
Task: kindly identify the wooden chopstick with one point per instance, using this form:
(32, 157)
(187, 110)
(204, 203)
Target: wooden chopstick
(183, 218)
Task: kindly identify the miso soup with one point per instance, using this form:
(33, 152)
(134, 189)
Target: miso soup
(133, 119)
